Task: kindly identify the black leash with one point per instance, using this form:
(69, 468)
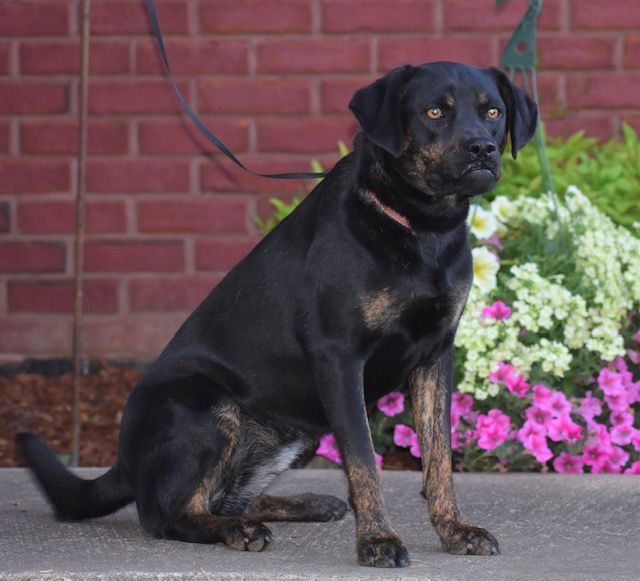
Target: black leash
(155, 25)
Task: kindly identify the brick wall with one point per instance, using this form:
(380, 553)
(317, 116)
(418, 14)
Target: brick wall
(273, 78)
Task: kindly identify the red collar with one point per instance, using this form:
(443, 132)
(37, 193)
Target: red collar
(399, 218)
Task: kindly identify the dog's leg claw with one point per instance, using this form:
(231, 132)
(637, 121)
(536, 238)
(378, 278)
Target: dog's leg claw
(247, 536)
(382, 552)
(470, 540)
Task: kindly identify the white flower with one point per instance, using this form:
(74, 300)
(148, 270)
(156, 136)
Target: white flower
(483, 223)
(503, 208)
(485, 269)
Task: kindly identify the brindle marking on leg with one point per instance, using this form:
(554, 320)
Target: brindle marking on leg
(378, 545)
(429, 396)
(303, 507)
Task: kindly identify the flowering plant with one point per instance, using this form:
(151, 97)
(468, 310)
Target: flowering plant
(556, 289)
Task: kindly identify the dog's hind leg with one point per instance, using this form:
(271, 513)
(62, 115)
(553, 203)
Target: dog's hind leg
(303, 507)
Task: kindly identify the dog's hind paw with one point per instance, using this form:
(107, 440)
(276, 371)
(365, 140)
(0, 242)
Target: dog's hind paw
(382, 552)
(324, 508)
(470, 540)
(246, 535)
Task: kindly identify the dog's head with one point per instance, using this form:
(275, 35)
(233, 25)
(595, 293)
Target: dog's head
(444, 124)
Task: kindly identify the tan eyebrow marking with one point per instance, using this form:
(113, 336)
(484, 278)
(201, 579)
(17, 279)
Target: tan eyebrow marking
(484, 99)
(449, 101)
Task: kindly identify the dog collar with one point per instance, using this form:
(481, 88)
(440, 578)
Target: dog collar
(399, 218)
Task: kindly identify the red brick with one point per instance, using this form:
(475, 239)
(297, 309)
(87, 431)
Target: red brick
(134, 256)
(313, 56)
(137, 175)
(223, 176)
(195, 56)
(134, 97)
(63, 57)
(378, 16)
(136, 336)
(5, 217)
(304, 135)
(474, 16)
(395, 52)
(118, 18)
(99, 296)
(251, 16)
(36, 336)
(594, 125)
(5, 58)
(182, 137)
(603, 91)
(168, 294)
(48, 137)
(222, 254)
(59, 217)
(632, 52)
(336, 93)
(593, 14)
(34, 19)
(254, 96)
(192, 216)
(32, 257)
(20, 176)
(5, 137)
(20, 98)
(567, 53)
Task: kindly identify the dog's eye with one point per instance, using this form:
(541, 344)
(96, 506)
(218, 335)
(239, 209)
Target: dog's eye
(493, 113)
(435, 113)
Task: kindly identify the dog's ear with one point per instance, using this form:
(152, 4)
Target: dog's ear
(522, 112)
(378, 109)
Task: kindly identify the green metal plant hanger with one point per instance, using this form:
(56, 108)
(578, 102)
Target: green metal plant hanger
(520, 56)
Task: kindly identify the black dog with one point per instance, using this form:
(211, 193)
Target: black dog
(358, 292)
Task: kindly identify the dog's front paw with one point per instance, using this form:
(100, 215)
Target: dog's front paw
(245, 535)
(465, 539)
(382, 552)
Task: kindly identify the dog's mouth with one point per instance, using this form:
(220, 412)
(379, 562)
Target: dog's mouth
(477, 166)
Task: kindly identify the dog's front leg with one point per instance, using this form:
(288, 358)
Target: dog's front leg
(341, 387)
(431, 402)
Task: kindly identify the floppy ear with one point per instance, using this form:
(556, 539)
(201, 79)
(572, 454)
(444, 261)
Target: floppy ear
(522, 112)
(378, 109)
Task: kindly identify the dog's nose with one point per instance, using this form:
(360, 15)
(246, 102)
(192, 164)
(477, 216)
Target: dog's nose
(481, 148)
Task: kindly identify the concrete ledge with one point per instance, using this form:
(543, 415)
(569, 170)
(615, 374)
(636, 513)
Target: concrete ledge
(551, 527)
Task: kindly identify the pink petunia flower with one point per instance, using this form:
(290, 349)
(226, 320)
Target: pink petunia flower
(617, 398)
(590, 407)
(563, 428)
(498, 311)
(379, 459)
(461, 404)
(538, 447)
(391, 404)
(634, 468)
(503, 372)
(605, 466)
(415, 446)
(542, 396)
(622, 434)
(402, 435)
(329, 448)
(493, 429)
(568, 464)
(594, 454)
(609, 380)
(618, 457)
(517, 385)
(635, 441)
(559, 404)
(621, 417)
(634, 357)
(530, 429)
(638, 336)
(538, 415)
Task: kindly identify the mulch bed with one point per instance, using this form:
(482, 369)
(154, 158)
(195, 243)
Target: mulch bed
(31, 402)
(38, 403)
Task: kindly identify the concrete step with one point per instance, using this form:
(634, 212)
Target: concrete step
(550, 527)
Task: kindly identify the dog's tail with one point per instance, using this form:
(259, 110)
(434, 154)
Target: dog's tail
(73, 498)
